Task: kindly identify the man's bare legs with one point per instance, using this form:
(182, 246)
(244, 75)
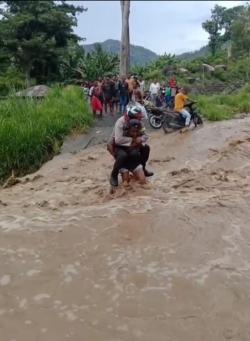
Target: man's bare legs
(140, 176)
(125, 178)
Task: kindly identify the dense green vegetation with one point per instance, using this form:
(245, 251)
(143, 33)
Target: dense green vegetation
(38, 45)
(222, 107)
(192, 71)
(32, 131)
(203, 51)
(35, 37)
(229, 25)
(38, 35)
(94, 65)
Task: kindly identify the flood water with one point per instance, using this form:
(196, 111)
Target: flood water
(169, 261)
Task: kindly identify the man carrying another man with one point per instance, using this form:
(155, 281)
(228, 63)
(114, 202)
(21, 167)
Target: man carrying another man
(127, 150)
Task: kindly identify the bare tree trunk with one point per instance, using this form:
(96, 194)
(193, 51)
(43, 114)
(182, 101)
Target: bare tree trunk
(125, 44)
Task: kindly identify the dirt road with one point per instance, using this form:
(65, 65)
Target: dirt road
(167, 262)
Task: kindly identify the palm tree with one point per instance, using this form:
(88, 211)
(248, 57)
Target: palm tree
(97, 64)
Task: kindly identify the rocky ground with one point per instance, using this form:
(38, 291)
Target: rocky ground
(169, 261)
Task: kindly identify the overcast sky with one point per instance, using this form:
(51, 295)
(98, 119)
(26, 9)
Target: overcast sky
(161, 26)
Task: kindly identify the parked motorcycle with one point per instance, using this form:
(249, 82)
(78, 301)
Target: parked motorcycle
(155, 114)
(175, 121)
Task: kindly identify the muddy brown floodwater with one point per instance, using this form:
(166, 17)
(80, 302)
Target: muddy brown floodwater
(166, 262)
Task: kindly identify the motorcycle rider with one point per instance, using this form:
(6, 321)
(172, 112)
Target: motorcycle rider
(127, 149)
(180, 101)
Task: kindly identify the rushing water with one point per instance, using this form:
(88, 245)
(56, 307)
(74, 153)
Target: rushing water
(169, 261)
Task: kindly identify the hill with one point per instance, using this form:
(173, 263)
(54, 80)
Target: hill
(139, 55)
(203, 51)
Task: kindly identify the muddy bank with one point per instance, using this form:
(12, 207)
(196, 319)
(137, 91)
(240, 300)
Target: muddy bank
(169, 261)
(98, 134)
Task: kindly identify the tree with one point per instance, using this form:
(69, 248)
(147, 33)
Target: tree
(213, 27)
(97, 64)
(228, 19)
(70, 61)
(241, 34)
(36, 35)
(219, 27)
(125, 43)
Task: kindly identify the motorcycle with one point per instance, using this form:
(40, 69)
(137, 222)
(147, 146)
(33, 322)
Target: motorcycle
(156, 118)
(175, 121)
(155, 115)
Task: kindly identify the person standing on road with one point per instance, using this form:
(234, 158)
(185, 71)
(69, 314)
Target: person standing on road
(108, 93)
(173, 86)
(96, 104)
(115, 99)
(91, 88)
(123, 94)
(168, 96)
(142, 85)
(130, 82)
(85, 90)
(154, 89)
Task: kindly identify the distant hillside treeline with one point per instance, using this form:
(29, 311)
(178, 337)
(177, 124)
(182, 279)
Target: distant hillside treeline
(139, 55)
(203, 51)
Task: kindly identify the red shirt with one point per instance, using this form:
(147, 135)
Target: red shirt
(172, 83)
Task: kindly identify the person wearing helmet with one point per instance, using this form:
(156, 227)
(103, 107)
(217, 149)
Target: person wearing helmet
(127, 149)
(134, 130)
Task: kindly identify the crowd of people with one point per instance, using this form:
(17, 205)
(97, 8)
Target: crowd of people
(112, 94)
(163, 94)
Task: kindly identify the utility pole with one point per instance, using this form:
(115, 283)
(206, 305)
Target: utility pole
(125, 43)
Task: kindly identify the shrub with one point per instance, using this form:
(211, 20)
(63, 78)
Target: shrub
(31, 130)
(222, 107)
(155, 74)
(11, 79)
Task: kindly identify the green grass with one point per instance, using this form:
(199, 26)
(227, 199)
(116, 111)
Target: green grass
(223, 107)
(32, 131)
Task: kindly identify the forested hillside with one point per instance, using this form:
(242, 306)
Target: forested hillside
(139, 55)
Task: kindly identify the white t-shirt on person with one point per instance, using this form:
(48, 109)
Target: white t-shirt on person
(154, 88)
(91, 91)
(142, 86)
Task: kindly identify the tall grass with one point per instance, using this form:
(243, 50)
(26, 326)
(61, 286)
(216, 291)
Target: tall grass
(32, 131)
(223, 107)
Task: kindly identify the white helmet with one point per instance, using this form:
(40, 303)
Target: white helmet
(135, 108)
